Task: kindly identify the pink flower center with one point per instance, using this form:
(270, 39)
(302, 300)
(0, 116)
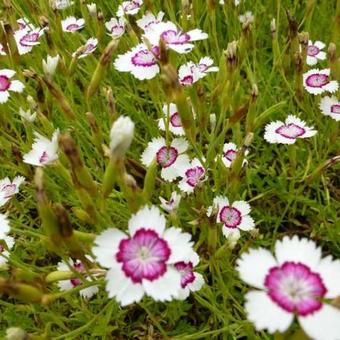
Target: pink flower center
(187, 275)
(317, 80)
(131, 6)
(165, 156)
(291, 131)
(9, 190)
(176, 38)
(143, 256)
(187, 80)
(72, 27)
(29, 39)
(335, 108)
(79, 267)
(312, 50)
(230, 155)
(295, 288)
(202, 67)
(4, 83)
(43, 158)
(194, 175)
(117, 30)
(175, 120)
(144, 58)
(2, 248)
(231, 217)
(90, 48)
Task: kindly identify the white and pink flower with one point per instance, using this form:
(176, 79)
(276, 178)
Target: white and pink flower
(172, 119)
(89, 47)
(78, 267)
(317, 81)
(191, 281)
(173, 37)
(170, 158)
(330, 106)
(24, 23)
(297, 281)
(148, 20)
(6, 84)
(287, 132)
(139, 61)
(129, 8)
(172, 204)
(116, 27)
(9, 188)
(230, 151)
(27, 39)
(234, 217)
(2, 50)
(142, 262)
(314, 52)
(44, 151)
(72, 24)
(60, 4)
(192, 175)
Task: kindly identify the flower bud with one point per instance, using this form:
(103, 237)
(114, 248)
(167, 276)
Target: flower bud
(121, 136)
(15, 333)
(92, 7)
(50, 65)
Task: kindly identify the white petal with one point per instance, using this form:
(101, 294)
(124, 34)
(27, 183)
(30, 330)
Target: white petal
(311, 60)
(165, 288)
(298, 250)
(247, 223)
(231, 233)
(319, 44)
(180, 144)
(181, 48)
(149, 153)
(16, 86)
(265, 314)
(89, 292)
(323, 324)
(197, 283)
(180, 244)
(4, 95)
(254, 266)
(332, 86)
(106, 248)
(148, 218)
(197, 34)
(65, 285)
(4, 226)
(170, 173)
(143, 73)
(122, 288)
(321, 55)
(242, 206)
(7, 73)
(329, 271)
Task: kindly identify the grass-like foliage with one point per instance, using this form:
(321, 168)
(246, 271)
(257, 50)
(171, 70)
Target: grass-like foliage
(170, 173)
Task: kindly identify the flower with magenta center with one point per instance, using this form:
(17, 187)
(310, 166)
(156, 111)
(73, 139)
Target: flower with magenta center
(170, 158)
(116, 27)
(330, 106)
(317, 81)
(296, 282)
(192, 176)
(173, 118)
(71, 24)
(6, 84)
(148, 20)
(172, 204)
(129, 8)
(142, 262)
(9, 188)
(314, 52)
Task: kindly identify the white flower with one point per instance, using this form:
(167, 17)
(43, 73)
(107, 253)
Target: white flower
(173, 118)
(287, 132)
(173, 203)
(148, 20)
(129, 7)
(296, 282)
(192, 176)
(6, 244)
(44, 151)
(92, 8)
(121, 135)
(171, 158)
(9, 188)
(139, 61)
(27, 115)
(116, 27)
(317, 81)
(72, 24)
(6, 84)
(60, 4)
(79, 267)
(330, 106)
(89, 47)
(4, 226)
(229, 154)
(246, 18)
(142, 261)
(190, 72)
(173, 37)
(190, 280)
(314, 52)
(50, 65)
(27, 39)
(235, 216)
